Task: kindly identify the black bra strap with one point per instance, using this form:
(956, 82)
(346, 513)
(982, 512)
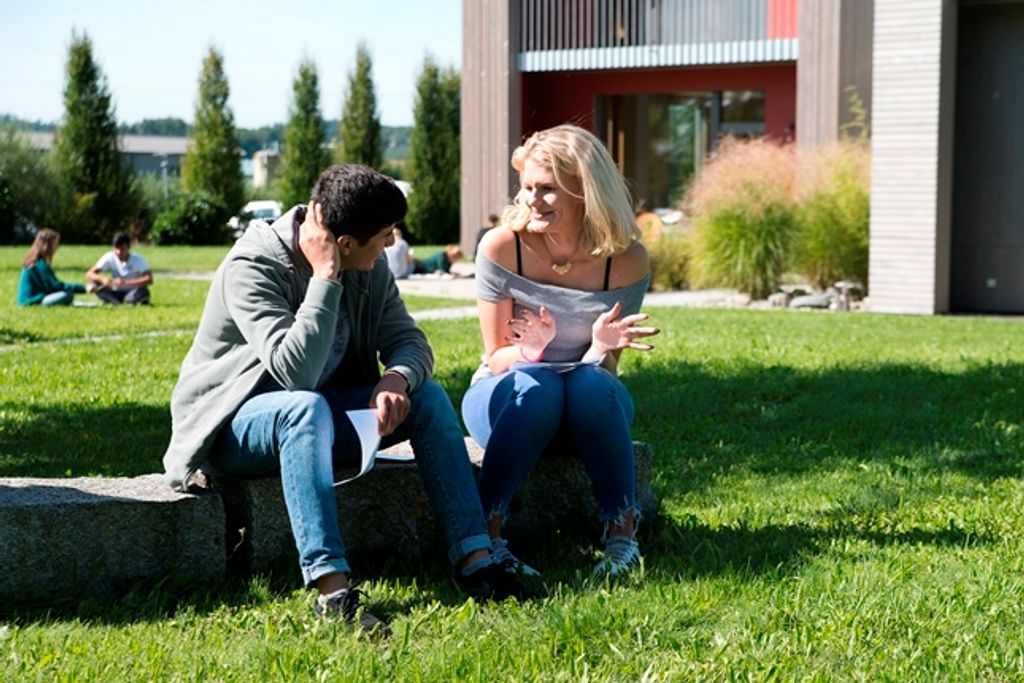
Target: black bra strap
(607, 272)
(519, 256)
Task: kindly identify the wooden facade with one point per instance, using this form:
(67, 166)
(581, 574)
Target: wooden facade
(834, 67)
(491, 87)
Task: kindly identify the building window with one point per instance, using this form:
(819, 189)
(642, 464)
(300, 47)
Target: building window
(660, 141)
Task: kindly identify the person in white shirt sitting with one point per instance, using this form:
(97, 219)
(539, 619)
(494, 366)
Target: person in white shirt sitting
(129, 276)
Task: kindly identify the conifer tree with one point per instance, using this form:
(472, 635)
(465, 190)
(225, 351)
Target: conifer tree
(304, 155)
(95, 179)
(212, 164)
(434, 156)
(359, 129)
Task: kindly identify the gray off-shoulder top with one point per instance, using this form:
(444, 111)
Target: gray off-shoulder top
(575, 310)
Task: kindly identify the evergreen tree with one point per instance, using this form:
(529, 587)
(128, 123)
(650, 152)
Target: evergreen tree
(213, 164)
(95, 179)
(434, 156)
(359, 130)
(304, 155)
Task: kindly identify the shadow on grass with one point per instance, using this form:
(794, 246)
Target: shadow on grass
(76, 440)
(778, 420)
(703, 427)
(10, 335)
(687, 548)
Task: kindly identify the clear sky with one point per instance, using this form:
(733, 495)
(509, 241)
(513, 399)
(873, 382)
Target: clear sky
(151, 52)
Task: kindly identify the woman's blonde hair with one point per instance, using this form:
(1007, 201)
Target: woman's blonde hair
(572, 152)
(43, 246)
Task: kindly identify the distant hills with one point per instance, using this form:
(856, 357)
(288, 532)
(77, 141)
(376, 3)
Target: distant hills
(396, 138)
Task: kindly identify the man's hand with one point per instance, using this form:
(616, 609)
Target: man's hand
(318, 245)
(391, 402)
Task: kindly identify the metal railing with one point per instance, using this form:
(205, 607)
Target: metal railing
(665, 31)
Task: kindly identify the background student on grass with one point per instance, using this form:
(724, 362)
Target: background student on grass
(440, 262)
(129, 276)
(297, 318)
(38, 283)
(561, 279)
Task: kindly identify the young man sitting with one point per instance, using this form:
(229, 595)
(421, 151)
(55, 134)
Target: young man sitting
(129, 279)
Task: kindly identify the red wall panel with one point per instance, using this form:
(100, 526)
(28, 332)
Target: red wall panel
(782, 19)
(550, 99)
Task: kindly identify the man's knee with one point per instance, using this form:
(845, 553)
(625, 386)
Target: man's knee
(307, 407)
(139, 295)
(430, 396)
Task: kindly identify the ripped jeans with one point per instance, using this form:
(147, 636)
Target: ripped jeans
(514, 415)
(305, 433)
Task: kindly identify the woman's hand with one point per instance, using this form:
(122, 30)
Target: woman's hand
(611, 334)
(532, 333)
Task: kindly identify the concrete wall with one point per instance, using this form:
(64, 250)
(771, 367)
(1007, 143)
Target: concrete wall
(912, 137)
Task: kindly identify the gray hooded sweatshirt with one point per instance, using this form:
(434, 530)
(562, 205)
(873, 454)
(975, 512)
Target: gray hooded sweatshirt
(267, 317)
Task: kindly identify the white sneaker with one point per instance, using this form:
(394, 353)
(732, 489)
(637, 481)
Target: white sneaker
(621, 554)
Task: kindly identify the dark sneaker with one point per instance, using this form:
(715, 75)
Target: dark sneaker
(347, 603)
(509, 562)
(492, 582)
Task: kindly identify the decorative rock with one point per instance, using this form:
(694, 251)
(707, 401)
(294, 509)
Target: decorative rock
(778, 300)
(811, 301)
(89, 536)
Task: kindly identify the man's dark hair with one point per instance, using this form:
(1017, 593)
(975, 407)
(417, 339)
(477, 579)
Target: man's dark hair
(121, 238)
(358, 201)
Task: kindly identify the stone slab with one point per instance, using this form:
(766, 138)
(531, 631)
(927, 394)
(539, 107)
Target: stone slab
(387, 512)
(92, 536)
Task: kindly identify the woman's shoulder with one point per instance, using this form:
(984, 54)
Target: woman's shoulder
(499, 245)
(631, 266)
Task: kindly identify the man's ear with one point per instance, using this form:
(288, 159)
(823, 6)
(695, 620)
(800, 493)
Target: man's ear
(345, 244)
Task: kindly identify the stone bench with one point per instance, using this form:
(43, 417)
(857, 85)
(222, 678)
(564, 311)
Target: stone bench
(90, 536)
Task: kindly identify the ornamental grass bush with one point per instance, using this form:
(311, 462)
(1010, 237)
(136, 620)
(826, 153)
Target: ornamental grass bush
(744, 216)
(833, 214)
(670, 261)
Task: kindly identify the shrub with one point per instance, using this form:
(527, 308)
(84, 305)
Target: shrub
(194, 218)
(670, 262)
(834, 215)
(744, 218)
(30, 196)
(153, 201)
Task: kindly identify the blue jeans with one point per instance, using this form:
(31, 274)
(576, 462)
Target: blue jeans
(514, 415)
(305, 433)
(61, 298)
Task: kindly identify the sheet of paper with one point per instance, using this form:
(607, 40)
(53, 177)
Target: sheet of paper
(557, 366)
(396, 457)
(365, 422)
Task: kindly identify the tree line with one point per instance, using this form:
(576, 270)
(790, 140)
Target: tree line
(86, 189)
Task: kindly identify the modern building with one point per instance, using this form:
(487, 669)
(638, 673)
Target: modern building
(146, 153)
(265, 163)
(660, 80)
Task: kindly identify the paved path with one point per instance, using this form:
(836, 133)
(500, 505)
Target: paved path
(465, 288)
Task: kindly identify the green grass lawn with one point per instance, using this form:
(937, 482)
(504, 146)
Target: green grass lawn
(841, 499)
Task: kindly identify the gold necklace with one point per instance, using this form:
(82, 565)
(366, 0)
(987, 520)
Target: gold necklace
(559, 268)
